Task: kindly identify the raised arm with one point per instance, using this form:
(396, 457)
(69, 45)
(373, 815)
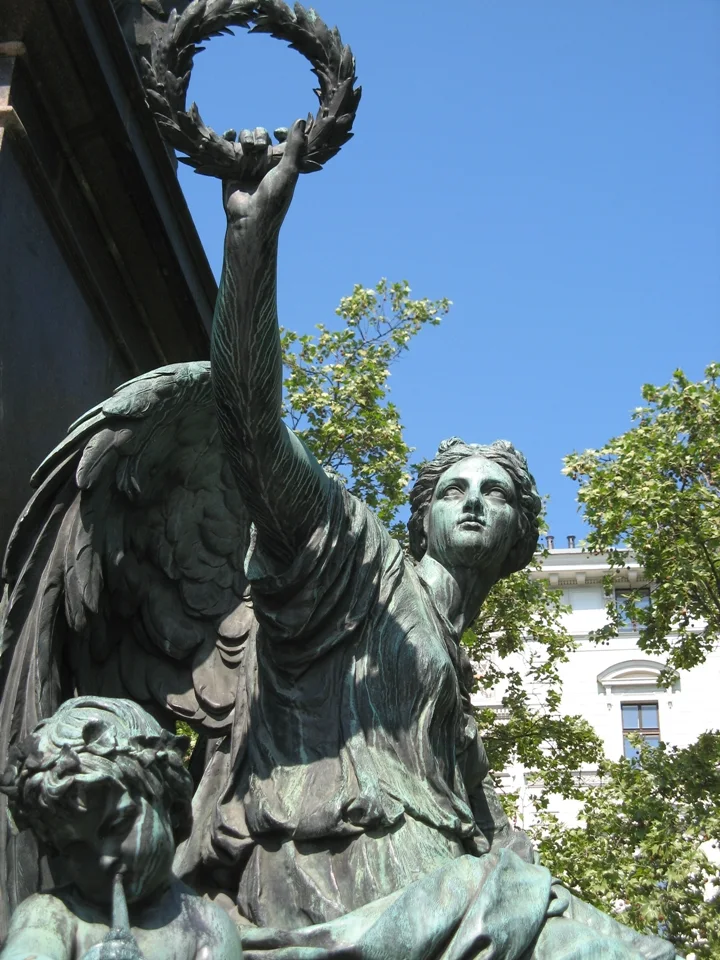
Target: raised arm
(283, 485)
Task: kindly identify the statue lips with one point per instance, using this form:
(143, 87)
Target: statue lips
(472, 522)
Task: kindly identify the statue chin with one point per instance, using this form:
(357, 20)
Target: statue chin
(475, 551)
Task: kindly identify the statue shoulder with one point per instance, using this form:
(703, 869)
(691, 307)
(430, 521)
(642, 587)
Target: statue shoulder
(43, 924)
(41, 907)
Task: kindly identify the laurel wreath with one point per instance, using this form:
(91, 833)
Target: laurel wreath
(167, 75)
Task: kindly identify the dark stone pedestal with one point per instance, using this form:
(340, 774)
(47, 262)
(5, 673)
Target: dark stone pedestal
(102, 275)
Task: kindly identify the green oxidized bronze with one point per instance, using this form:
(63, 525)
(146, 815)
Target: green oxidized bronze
(104, 787)
(345, 807)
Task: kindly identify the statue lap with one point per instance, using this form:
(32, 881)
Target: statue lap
(473, 907)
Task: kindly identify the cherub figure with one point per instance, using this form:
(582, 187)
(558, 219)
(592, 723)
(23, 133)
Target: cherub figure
(103, 785)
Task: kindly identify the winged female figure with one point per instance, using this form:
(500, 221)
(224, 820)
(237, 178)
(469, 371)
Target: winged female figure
(345, 808)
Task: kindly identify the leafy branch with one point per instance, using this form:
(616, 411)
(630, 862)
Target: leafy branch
(653, 491)
(337, 390)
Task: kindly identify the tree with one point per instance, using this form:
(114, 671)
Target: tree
(655, 490)
(337, 385)
(639, 851)
(519, 643)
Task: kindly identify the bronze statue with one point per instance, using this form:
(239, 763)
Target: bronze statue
(345, 807)
(104, 786)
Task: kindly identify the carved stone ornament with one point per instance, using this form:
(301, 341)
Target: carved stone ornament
(167, 75)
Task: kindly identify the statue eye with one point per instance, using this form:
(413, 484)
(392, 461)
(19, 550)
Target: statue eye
(119, 824)
(499, 493)
(454, 490)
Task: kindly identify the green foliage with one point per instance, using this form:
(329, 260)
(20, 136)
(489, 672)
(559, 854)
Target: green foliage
(656, 491)
(519, 644)
(336, 390)
(637, 851)
(183, 729)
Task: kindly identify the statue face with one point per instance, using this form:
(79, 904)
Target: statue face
(472, 520)
(116, 831)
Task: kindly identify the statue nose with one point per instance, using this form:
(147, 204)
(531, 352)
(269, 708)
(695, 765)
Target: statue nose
(474, 503)
(107, 863)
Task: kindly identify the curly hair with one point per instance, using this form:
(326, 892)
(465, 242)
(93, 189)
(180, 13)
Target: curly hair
(513, 462)
(93, 740)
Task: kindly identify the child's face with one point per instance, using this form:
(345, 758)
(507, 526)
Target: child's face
(115, 832)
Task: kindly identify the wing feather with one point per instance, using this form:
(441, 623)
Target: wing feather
(129, 558)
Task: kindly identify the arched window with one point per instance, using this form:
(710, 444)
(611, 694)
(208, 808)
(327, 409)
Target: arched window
(631, 673)
(635, 683)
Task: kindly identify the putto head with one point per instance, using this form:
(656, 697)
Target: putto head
(93, 741)
(527, 501)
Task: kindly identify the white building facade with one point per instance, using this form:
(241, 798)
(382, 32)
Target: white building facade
(614, 686)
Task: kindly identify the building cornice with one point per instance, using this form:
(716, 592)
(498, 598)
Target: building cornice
(577, 567)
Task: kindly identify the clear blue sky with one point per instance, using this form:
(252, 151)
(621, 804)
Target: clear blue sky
(552, 166)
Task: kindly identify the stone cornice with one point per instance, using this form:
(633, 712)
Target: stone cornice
(576, 567)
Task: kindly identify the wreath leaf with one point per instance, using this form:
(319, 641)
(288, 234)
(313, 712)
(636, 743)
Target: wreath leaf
(167, 76)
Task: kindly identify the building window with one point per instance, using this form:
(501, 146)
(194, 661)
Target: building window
(640, 597)
(642, 719)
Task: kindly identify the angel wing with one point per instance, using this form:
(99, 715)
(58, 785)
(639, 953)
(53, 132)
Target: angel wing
(125, 574)
(125, 571)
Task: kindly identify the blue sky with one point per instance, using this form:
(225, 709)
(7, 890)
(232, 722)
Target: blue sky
(552, 166)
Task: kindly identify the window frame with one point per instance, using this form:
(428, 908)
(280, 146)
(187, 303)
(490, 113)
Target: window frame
(627, 625)
(629, 751)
